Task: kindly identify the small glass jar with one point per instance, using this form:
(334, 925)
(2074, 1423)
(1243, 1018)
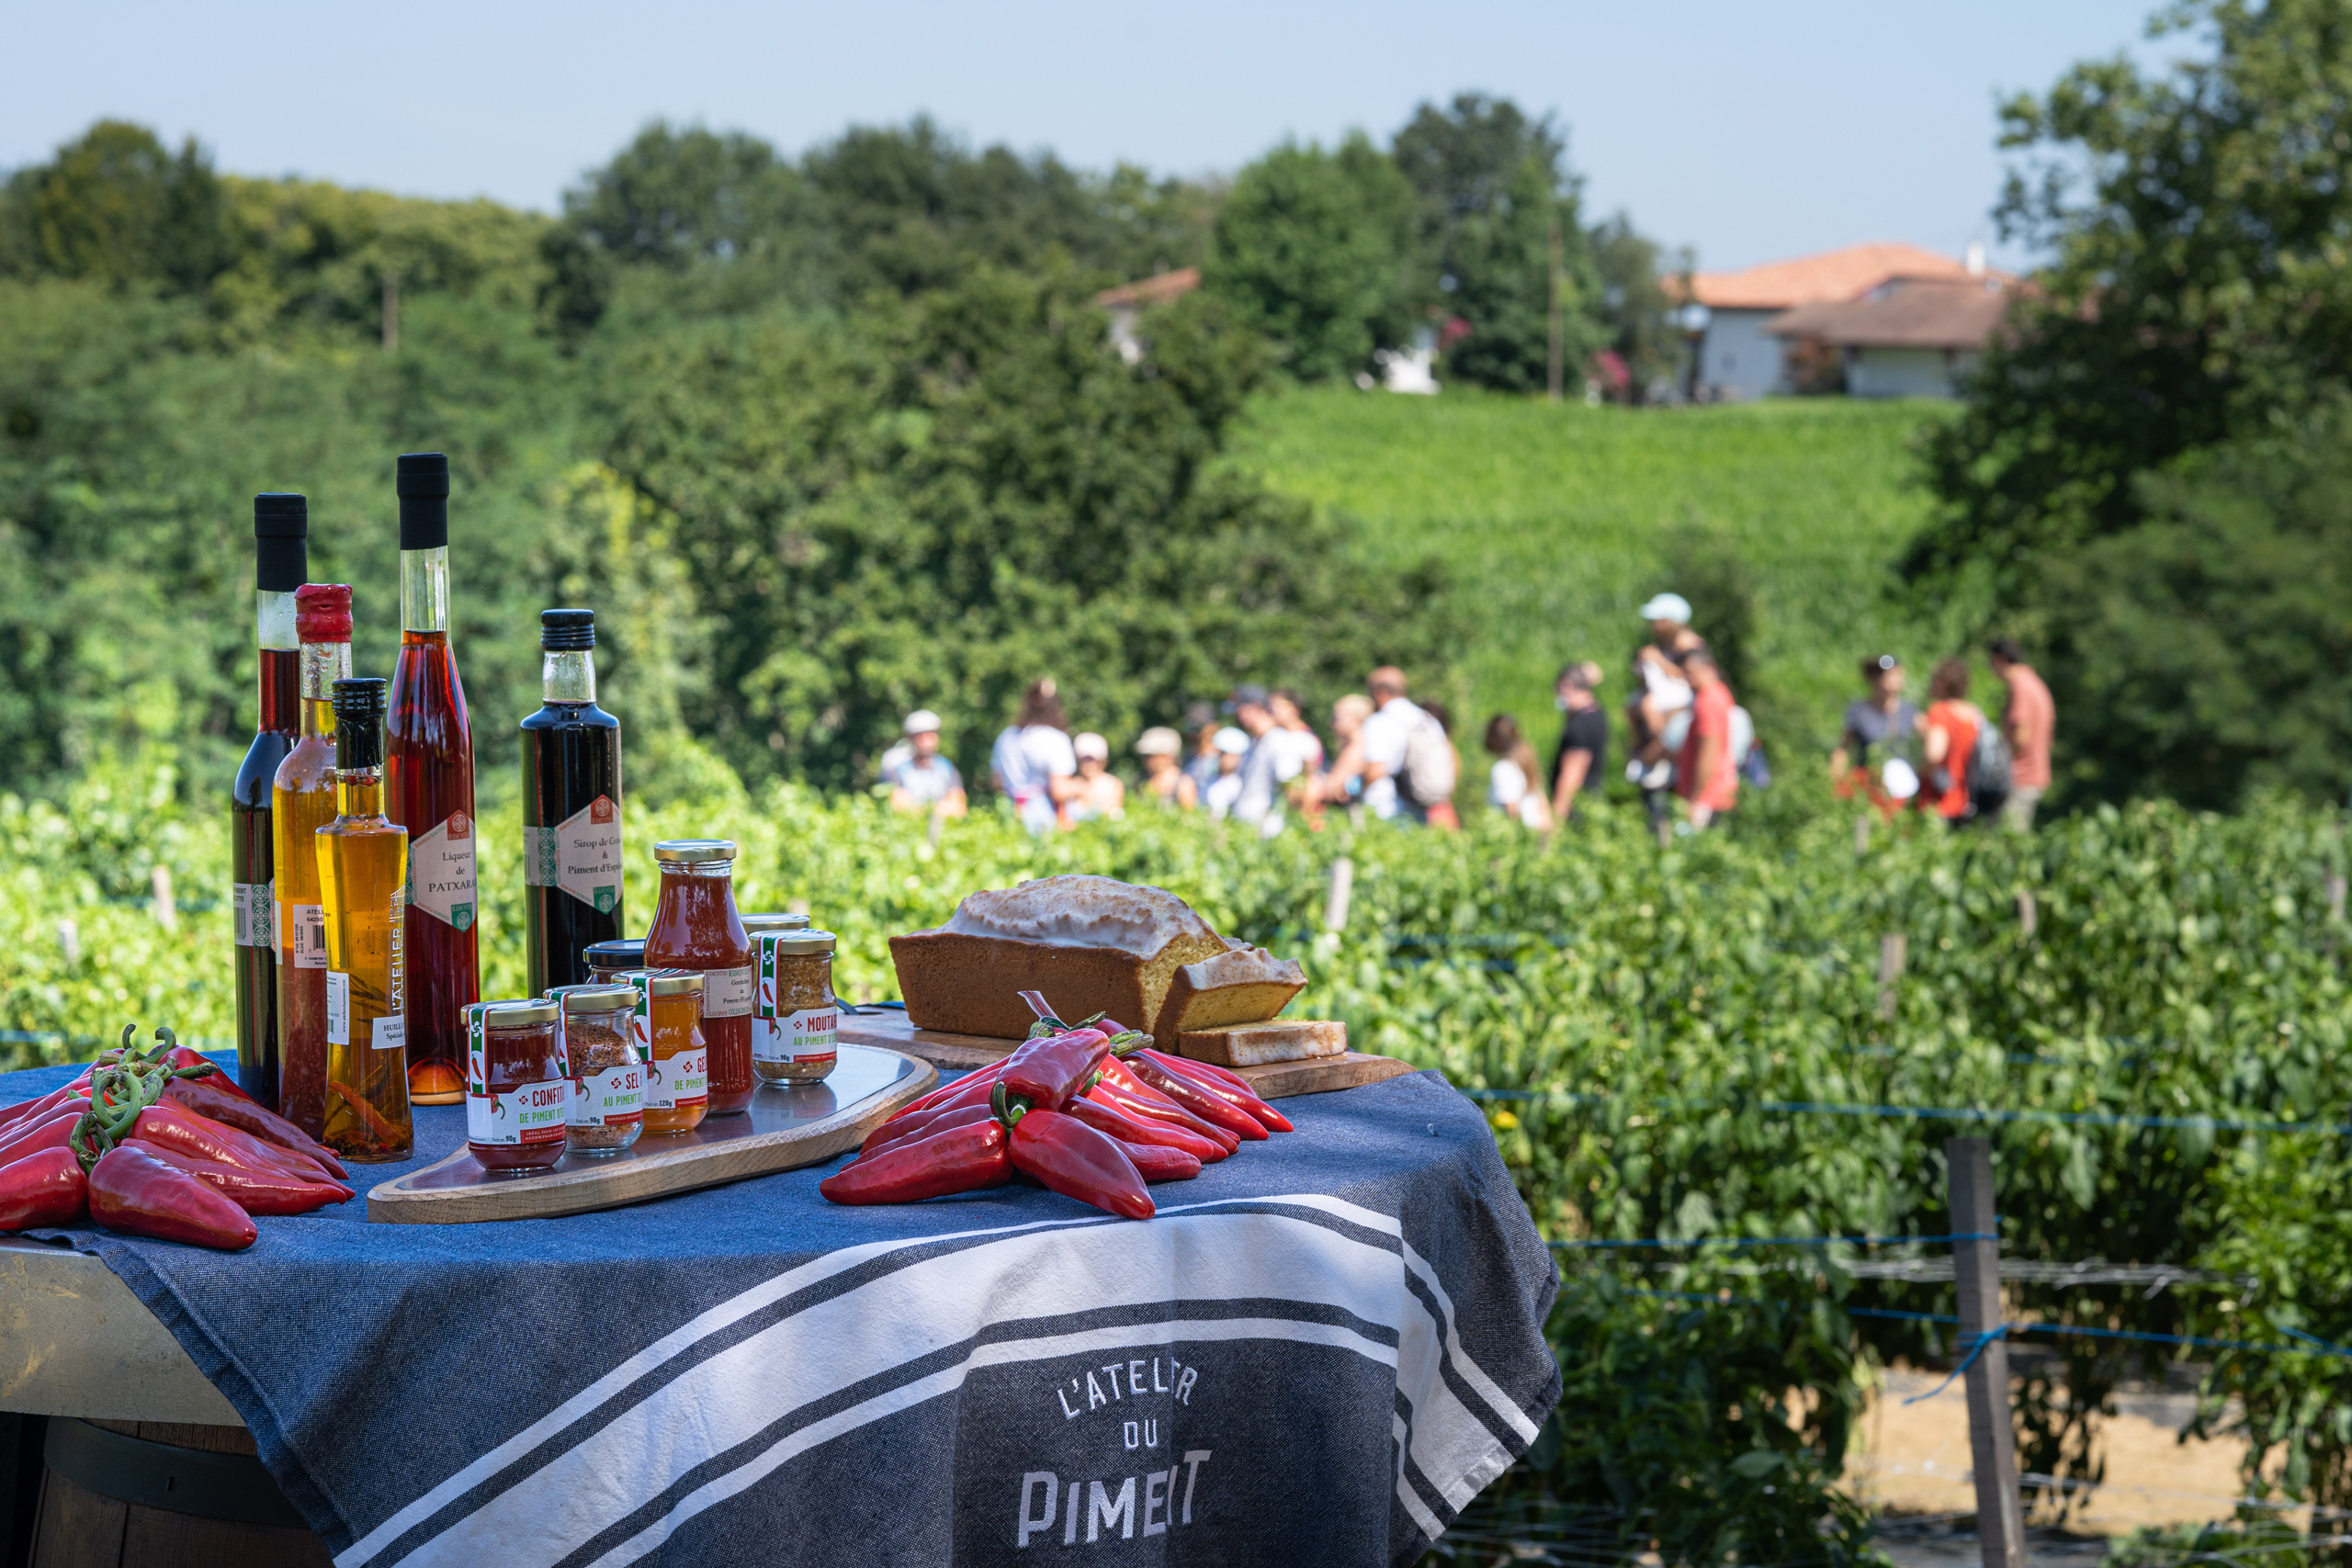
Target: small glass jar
(665, 1026)
(608, 961)
(758, 926)
(607, 1111)
(695, 927)
(516, 1096)
(798, 1026)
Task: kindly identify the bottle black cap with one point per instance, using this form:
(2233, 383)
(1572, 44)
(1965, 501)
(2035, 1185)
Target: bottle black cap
(281, 548)
(358, 724)
(422, 481)
(567, 631)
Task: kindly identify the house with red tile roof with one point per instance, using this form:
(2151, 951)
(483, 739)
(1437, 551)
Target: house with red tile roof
(1741, 354)
(1127, 304)
(1909, 337)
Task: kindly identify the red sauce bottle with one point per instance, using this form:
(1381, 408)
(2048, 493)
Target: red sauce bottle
(695, 927)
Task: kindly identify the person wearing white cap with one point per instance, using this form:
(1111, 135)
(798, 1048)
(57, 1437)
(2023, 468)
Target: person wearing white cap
(920, 778)
(1101, 793)
(1164, 778)
(1660, 710)
(1232, 745)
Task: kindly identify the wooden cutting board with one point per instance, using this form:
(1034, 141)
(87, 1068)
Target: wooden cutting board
(784, 1129)
(889, 1027)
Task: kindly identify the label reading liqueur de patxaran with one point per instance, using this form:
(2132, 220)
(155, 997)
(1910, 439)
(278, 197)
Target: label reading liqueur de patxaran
(581, 854)
(441, 870)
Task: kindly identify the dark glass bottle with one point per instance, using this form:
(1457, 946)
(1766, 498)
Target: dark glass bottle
(429, 790)
(281, 564)
(571, 809)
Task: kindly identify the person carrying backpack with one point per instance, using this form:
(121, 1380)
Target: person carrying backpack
(1950, 736)
(1408, 763)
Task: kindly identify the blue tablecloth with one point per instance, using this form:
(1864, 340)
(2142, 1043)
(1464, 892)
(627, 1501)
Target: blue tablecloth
(1319, 1351)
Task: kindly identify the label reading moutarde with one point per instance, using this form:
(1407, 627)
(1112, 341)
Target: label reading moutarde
(612, 1098)
(810, 1035)
(441, 870)
(302, 935)
(527, 1113)
(253, 913)
(727, 993)
(581, 854)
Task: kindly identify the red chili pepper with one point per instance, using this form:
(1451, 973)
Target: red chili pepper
(1237, 1093)
(972, 1090)
(892, 1134)
(1155, 1162)
(200, 1137)
(1138, 1098)
(1194, 1098)
(44, 1187)
(1140, 1130)
(1047, 1071)
(984, 1076)
(1076, 1161)
(78, 1090)
(213, 1097)
(253, 1192)
(961, 1159)
(1220, 1141)
(138, 1194)
(206, 1071)
(51, 1134)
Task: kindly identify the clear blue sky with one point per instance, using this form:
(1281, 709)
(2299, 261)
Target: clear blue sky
(1749, 130)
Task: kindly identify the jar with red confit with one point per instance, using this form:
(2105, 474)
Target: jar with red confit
(695, 927)
(518, 1095)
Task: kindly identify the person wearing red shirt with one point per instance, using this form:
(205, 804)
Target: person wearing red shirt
(1705, 775)
(1948, 739)
(2029, 722)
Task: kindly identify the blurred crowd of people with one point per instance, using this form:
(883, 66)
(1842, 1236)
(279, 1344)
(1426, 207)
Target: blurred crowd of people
(1255, 758)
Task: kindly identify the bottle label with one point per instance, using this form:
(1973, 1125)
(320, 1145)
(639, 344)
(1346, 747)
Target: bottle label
(338, 1008)
(525, 1114)
(812, 1033)
(582, 855)
(389, 1032)
(253, 914)
(727, 993)
(303, 934)
(441, 870)
(679, 1082)
(612, 1098)
(640, 1019)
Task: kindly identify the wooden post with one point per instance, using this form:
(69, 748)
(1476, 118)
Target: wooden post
(1552, 367)
(2335, 897)
(1992, 1437)
(69, 942)
(2029, 912)
(392, 312)
(1863, 834)
(1343, 887)
(167, 913)
(1891, 950)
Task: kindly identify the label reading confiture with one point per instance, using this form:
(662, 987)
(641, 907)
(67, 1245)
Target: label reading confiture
(441, 870)
(581, 854)
(527, 1113)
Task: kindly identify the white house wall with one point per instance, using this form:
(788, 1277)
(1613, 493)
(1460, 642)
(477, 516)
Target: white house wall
(1904, 372)
(1737, 357)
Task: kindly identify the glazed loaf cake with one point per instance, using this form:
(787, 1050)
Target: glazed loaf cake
(1090, 943)
(1241, 984)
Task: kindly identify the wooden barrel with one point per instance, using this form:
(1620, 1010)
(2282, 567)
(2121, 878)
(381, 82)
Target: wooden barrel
(163, 1494)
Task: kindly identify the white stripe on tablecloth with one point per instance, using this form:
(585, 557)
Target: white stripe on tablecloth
(926, 1305)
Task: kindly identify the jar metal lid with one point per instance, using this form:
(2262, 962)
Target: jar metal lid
(803, 944)
(619, 953)
(598, 998)
(693, 852)
(518, 1015)
(763, 925)
(670, 982)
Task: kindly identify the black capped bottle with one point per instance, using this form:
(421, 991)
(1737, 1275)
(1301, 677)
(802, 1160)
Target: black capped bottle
(571, 809)
(282, 564)
(429, 790)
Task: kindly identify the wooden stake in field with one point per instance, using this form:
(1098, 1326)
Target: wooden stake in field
(1343, 887)
(1893, 949)
(1976, 1270)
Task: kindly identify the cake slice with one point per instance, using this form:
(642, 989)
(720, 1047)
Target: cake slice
(1240, 985)
(1254, 1045)
(1091, 944)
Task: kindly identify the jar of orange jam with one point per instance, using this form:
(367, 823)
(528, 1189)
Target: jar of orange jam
(666, 1027)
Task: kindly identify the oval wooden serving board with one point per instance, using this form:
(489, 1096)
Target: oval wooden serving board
(784, 1129)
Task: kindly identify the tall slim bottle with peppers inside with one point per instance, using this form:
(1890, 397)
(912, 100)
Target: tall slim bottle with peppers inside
(302, 801)
(429, 790)
(281, 561)
(571, 809)
(363, 878)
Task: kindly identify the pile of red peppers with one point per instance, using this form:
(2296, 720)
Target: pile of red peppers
(158, 1143)
(1092, 1113)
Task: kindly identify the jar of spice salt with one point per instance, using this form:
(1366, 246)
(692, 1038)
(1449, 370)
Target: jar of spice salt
(607, 1111)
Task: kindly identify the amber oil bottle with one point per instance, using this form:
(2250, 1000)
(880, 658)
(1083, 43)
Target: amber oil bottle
(363, 876)
(302, 802)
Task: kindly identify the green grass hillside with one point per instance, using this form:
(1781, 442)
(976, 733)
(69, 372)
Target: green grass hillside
(1553, 521)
